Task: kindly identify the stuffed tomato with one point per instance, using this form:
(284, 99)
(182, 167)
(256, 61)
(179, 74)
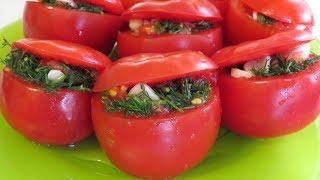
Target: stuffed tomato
(157, 115)
(45, 90)
(271, 87)
(161, 27)
(94, 23)
(251, 19)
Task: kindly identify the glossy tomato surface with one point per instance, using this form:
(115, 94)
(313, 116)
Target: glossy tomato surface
(69, 53)
(273, 106)
(57, 118)
(152, 68)
(95, 30)
(159, 146)
(129, 3)
(207, 42)
(248, 29)
(222, 5)
(112, 6)
(176, 10)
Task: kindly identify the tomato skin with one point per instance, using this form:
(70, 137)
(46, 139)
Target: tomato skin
(58, 118)
(69, 53)
(221, 5)
(159, 68)
(95, 30)
(177, 10)
(161, 146)
(129, 3)
(113, 6)
(207, 42)
(248, 29)
(270, 107)
(252, 50)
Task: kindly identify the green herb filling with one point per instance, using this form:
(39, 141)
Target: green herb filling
(30, 68)
(79, 6)
(177, 95)
(169, 27)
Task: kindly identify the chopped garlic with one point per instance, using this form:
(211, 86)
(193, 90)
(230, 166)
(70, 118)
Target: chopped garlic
(196, 101)
(138, 89)
(238, 73)
(299, 54)
(258, 64)
(135, 24)
(56, 75)
(255, 15)
(70, 2)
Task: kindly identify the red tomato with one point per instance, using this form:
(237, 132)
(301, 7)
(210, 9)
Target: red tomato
(160, 146)
(51, 118)
(207, 42)
(267, 107)
(153, 68)
(176, 141)
(113, 6)
(252, 50)
(290, 15)
(69, 53)
(96, 30)
(270, 107)
(58, 118)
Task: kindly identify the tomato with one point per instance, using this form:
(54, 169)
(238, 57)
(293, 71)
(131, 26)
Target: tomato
(161, 146)
(61, 117)
(69, 53)
(267, 107)
(95, 30)
(157, 67)
(252, 50)
(207, 42)
(290, 15)
(176, 141)
(270, 107)
(51, 118)
(112, 6)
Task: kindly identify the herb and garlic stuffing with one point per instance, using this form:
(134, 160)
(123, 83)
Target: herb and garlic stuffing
(143, 101)
(294, 61)
(51, 75)
(155, 26)
(75, 5)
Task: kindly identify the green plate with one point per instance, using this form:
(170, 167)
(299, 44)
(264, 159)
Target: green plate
(293, 157)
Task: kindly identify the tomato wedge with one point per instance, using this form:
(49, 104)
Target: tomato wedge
(265, 107)
(61, 117)
(176, 141)
(98, 31)
(289, 15)
(73, 54)
(253, 50)
(178, 10)
(153, 68)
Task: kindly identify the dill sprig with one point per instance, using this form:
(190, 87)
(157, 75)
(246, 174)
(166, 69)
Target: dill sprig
(262, 19)
(281, 66)
(174, 96)
(80, 6)
(29, 68)
(170, 27)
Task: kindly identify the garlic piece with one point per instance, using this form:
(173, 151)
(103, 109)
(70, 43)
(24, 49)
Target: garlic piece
(238, 73)
(70, 2)
(56, 75)
(298, 54)
(257, 64)
(255, 15)
(135, 24)
(138, 89)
